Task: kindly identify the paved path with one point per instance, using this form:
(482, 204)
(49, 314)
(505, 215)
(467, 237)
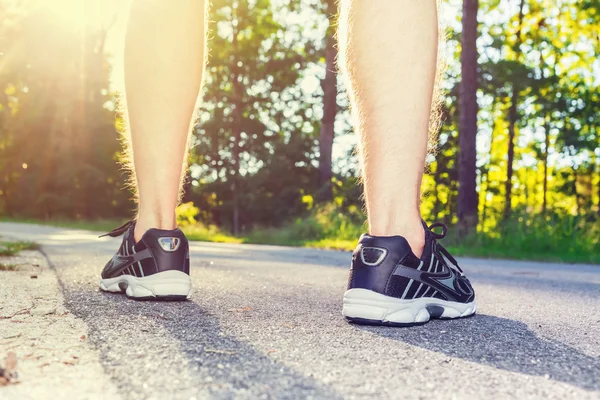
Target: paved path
(264, 322)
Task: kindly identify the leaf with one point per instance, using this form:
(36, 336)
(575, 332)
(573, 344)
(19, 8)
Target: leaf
(10, 362)
(8, 374)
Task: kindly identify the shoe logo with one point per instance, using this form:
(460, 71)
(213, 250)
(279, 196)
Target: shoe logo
(449, 281)
(118, 263)
(444, 281)
(169, 244)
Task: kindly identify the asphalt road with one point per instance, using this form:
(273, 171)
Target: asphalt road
(265, 322)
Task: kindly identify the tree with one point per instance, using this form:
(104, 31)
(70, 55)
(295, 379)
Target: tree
(254, 144)
(329, 85)
(512, 118)
(467, 169)
(58, 141)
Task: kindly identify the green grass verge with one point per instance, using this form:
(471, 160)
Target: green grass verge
(558, 256)
(539, 239)
(209, 234)
(100, 225)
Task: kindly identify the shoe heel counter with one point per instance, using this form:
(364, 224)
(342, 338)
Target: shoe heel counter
(170, 250)
(374, 261)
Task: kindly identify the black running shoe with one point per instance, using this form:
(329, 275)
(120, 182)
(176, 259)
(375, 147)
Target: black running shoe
(389, 285)
(155, 268)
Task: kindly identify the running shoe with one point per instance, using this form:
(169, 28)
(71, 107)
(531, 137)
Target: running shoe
(155, 268)
(390, 285)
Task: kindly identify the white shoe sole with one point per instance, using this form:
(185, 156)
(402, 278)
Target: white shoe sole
(167, 285)
(364, 306)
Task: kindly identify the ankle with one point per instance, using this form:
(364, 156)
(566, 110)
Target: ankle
(417, 241)
(147, 221)
(412, 231)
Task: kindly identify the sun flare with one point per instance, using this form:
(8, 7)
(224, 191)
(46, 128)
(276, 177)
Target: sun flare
(79, 14)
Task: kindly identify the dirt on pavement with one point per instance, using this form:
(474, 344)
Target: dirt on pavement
(53, 358)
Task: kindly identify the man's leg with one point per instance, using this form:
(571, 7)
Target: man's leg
(389, 52)
(164, 58)
(400, 275)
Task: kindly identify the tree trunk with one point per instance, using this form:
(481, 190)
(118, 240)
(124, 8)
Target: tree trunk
(486, 176)
(237, 133)
(449, 211)
(329, 85)
(599, 192)
(512, 121)
(467, 173)
(574, 188)
(546, 139)
(546, 147)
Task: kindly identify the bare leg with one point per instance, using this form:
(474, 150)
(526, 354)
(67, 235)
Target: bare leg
(389, 54)
(164, 59)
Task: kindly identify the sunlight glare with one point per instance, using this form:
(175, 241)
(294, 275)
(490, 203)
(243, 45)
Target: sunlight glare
(79, 14)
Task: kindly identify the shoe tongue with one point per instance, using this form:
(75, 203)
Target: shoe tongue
(130, 236)
(427, 248)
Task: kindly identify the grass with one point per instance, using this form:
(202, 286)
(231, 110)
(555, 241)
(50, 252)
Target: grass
(99, 225)
(554, 238)
(8, 249)
(332, 244)
(557, 238)
(502, 253)
(568, 239)
(8, 267)
(209, 234)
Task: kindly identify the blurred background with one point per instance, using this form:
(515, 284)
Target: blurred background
(287, 174)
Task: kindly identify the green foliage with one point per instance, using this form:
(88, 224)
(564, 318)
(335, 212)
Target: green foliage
(255, 145)
(209, 233)
(255, 139)
(186, 214)
(537, 237)
(325, 224)
(552, 238)
(555, 237)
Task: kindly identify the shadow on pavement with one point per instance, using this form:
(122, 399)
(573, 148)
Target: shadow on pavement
(207, 252)
(246, 369)
(501, 343)
(218, 365)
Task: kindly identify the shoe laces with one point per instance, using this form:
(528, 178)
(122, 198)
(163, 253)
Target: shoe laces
(120, 230)
(438, 225)
(441, 248)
